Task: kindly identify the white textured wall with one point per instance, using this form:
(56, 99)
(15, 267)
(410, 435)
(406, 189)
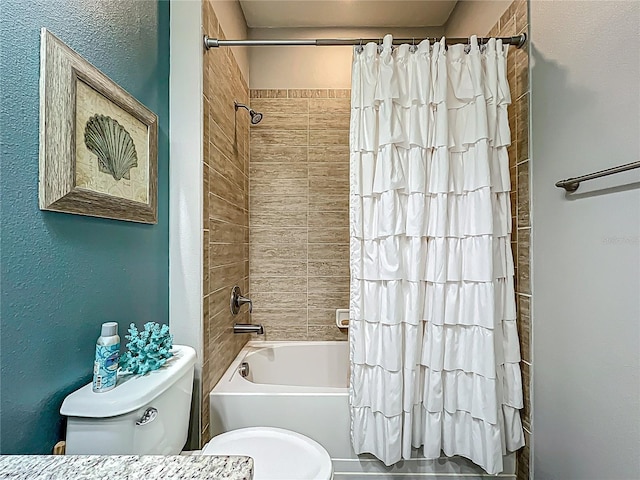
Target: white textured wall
(477, 17)
(185, 186)
(185, 171)
(586, 248)
(313, 67)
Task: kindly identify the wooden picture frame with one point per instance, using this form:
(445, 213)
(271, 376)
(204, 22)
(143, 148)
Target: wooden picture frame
(98, 145)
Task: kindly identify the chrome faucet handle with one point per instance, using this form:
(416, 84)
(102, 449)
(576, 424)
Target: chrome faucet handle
(244, 300)
(237, 300)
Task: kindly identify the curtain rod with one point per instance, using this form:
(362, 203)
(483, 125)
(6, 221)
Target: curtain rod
(517, 40)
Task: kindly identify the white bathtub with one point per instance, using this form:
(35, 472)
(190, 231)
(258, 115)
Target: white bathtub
(303, 386)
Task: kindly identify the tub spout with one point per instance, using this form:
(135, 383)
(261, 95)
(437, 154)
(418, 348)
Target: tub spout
(248, 328)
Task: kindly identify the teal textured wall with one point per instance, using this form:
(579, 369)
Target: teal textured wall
(63, 275)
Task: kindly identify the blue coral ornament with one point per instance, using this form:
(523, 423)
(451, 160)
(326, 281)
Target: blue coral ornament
(148, 350)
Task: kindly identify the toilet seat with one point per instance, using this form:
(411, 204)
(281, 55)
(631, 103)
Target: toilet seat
(277, 454)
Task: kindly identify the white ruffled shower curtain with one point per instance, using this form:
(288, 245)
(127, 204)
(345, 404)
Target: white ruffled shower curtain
(433, 340)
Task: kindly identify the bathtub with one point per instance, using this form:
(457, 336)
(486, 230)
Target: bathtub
(303, 386)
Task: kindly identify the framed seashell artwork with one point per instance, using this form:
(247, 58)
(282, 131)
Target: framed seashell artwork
(98, 144)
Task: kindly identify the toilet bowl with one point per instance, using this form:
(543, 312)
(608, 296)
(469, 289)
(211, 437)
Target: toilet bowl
(277, 454)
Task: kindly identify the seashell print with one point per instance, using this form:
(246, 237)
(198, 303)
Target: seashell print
(112, 144)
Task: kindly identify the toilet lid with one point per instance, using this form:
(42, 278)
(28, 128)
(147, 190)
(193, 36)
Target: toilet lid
(277, 454)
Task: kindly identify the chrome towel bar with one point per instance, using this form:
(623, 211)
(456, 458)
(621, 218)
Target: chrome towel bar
(572, 184)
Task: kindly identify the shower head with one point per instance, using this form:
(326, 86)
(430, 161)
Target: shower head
(256, 117)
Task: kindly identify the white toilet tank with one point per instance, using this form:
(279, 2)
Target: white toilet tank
(113, 422)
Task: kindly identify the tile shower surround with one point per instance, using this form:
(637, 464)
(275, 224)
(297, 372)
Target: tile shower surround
(225, 210)
(299, 212)
(296, 238)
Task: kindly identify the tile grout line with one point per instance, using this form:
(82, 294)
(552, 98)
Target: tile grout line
(308, 213)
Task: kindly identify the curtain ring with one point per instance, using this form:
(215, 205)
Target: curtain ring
(413, 48)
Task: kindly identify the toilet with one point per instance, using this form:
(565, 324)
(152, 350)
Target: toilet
(149, 415)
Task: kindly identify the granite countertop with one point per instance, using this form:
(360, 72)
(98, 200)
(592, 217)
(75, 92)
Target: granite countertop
(123, 467)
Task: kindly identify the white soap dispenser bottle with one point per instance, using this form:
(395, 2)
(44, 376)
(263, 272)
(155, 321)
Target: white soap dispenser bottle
(105, 367)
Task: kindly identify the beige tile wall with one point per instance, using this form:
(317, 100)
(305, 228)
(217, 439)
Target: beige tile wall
(515, 21)
(226, 209)
(299, 212)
